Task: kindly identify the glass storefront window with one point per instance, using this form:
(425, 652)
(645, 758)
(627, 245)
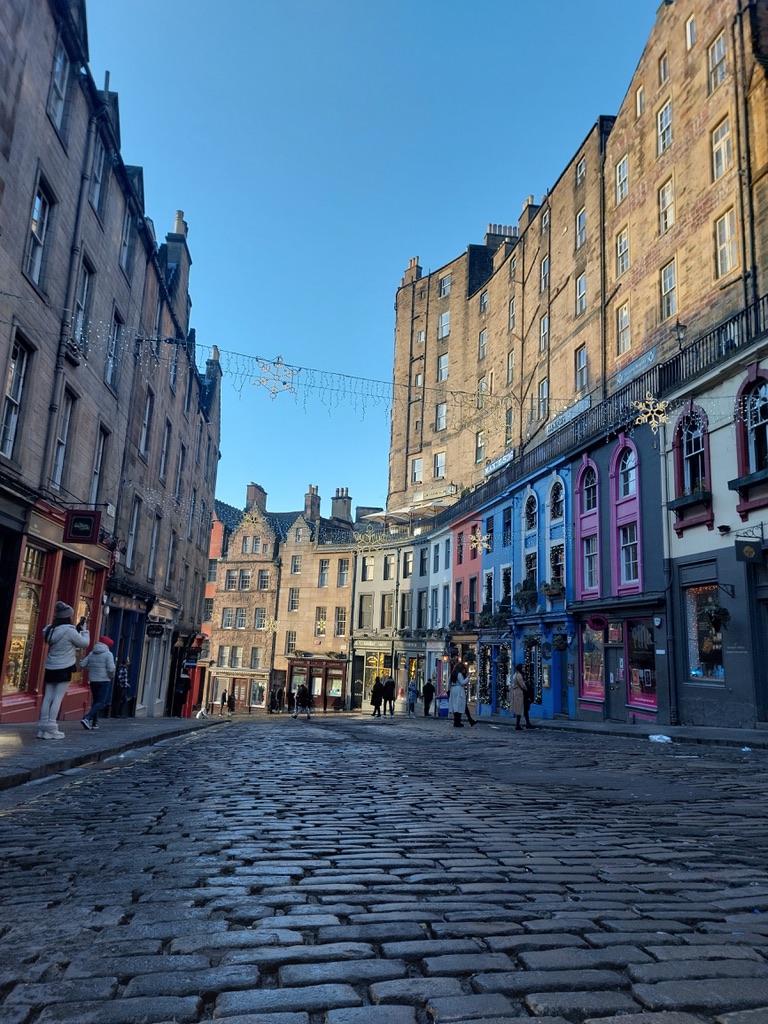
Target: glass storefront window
(705, 641)
(642, 662)
(334, 682)
(592, 663)
(25, 623)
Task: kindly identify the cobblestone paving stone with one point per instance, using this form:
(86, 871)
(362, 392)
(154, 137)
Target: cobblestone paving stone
(345, 871)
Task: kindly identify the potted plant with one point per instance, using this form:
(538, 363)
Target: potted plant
(718, 616)
(559, 642)
(552, 589)
(525, 595)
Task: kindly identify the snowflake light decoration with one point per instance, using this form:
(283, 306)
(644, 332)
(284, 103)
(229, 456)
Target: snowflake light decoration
(276, 376)
(652, 411)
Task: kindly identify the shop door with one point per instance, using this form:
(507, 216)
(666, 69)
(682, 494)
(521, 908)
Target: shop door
(615, 684)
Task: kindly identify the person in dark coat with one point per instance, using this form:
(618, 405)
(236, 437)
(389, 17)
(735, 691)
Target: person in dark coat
(231, 703)
(180, 694)
(389, 696)
(428, 693)
(101, 668)
(377, 696)
(303, 702)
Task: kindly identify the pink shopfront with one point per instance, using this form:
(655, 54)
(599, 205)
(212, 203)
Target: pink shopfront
(617, 678)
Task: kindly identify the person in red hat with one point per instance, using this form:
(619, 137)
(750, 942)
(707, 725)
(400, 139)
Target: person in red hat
(101, 668)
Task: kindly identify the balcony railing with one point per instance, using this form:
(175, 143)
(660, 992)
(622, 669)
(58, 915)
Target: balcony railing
(707, 352)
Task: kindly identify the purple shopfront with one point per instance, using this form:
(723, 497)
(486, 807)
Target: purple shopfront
(618, 669)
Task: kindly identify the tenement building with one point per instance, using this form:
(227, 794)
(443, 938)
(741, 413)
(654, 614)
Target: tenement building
(589, 387)
(278, 606)
(110, 433)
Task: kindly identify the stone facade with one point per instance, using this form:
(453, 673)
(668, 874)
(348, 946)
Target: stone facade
(98, 359)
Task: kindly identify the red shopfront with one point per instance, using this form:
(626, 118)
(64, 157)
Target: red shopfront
(324, 678)
(48, 571)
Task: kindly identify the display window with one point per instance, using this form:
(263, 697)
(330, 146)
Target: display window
(704, 628)
(642, 662)
(592, 663)
(26, 622)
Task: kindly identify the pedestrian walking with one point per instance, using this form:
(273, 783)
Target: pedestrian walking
(123, 688)
(389, 695)
(457, 695)
(428, 695)
(377, 696)
(231, 703)
(64, 641)
(101, 668)
(520, 702)
(413, 696)
(223, 703)
(303, 702)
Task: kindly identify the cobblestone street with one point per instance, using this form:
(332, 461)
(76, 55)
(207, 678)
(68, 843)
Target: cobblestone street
(352, 871)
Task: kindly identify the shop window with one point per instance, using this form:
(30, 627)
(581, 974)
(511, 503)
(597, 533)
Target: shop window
(592, 663)
(704, 633)
(641, 661)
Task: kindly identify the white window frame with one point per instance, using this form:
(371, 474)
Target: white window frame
(441, 416)
(664, 128)
(622, 179)
(544, 274)
(717, 67)
(82, 305)
(439, 466)
(666, 206)
(722, 153)
(445, 286)
(444, 324)
(726, 251)
(544, 333)
(14, 393)
(581, 294)
(622, 252)
(133, 533)
(543, 398)
(482, 344)
(623, 329)
(581, 227)
(113, 350)
(57, 97)
(146, 423)
(639, 101)
(38, 234)
(512, 315)
(154, 541)
(62, 439)
(417, 470)
(510, 366)
(580, 368)
(442, 366)
(690, 32)
(668, 285)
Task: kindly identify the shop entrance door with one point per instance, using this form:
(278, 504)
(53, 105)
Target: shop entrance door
(615, 684)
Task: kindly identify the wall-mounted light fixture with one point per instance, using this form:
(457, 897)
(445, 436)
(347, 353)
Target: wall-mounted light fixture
(723, 529)
(679, 332)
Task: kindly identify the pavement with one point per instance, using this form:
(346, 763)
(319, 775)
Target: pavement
(24, 758)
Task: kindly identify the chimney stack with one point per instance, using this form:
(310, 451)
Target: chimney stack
(180, 225)
(255, 497)
(311, 504)
(413, 273)
(341, 505)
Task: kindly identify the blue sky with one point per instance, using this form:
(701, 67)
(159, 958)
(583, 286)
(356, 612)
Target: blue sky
(315, 147)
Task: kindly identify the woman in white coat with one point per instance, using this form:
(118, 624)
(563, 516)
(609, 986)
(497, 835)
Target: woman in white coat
(457, 695)
(64, 641)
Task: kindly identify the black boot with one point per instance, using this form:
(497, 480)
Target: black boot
(457, 720)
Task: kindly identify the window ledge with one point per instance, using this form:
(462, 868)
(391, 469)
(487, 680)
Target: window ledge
(742, 483)
(687, 500)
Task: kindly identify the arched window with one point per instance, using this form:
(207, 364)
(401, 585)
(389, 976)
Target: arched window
(756, 414)
(626, 547)
(692, 502)
(586, 556)
(627, 479)
(752, 441)
(557, 501)
(589, 490)
(530, 512)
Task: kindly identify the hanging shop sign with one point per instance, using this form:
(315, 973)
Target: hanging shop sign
(81, 526)
(154, 629)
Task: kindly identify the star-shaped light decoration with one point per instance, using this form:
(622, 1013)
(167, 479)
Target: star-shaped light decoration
(270, 625)
(652, 411)
(479, 542)
(276, 376)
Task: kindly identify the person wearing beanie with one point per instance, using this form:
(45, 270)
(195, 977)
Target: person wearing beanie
(64, 641)
(101, 669)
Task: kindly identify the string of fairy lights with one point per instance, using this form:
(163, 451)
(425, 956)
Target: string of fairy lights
(499, 417)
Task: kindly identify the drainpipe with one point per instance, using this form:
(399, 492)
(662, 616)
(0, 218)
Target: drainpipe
(603, 330)
(65, 331)
(674, 712)
(743, 145)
